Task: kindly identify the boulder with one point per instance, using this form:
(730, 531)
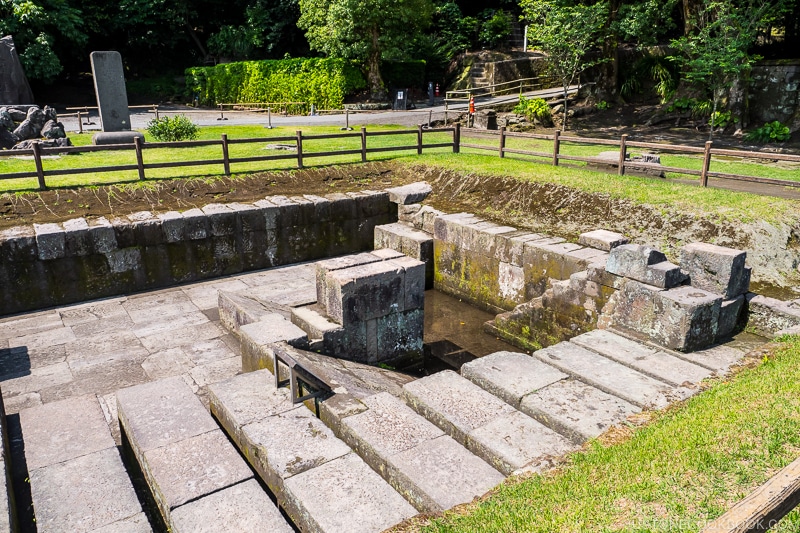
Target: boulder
(7, 139)
(53, 130)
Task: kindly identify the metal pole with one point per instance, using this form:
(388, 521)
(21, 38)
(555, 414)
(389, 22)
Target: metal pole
(269, 118)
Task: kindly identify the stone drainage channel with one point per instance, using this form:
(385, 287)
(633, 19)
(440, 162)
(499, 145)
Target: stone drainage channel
(271, 401)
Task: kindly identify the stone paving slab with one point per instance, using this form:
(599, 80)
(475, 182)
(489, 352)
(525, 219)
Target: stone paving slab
(648, 361)
(83, 494)
(320, 483)
(64, 430)
(486, 425)
(429, 468)
(717, 358)
(576, 410)
(135, 524)
(607, 375)
(511, 375)
(244, 508)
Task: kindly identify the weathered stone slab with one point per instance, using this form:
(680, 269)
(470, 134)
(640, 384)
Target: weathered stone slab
(410, 242)
(486, 425)
(161, 412)
(83, 494)
(137, 523)
(364, 292)
(60, 431)
(602, 239)
(345, 495)
(274, 328)
(716, 358)
(244, 508)
(109, 86)
(730, 313)
(646, 360)
(431, 469)
(338, 263)
(632, 260)
(716, 269)
(607, 375)
(576, 410)
(409, 194)
(312, 322)
(511, 376)
(50, 240)
(77, 239)
(247, 398)
(768, 315)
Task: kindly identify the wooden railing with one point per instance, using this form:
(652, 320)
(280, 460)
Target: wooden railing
(555, 156)
(509, 87)
(140, 147)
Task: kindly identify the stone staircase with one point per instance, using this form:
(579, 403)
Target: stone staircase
(477, 75)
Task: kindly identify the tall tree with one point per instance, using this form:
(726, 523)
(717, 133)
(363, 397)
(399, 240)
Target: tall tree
(566, 32)
(364, 30)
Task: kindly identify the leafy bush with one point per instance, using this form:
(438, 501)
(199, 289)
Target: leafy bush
(602, 105)
(770, 132)
(496, 30)
(682, 104)
(177, 128)
(534, 109)
(720, 119)
(320, 81)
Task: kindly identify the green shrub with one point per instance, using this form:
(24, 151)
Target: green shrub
(320, 81)
(177, 128)
(720, 119)
(602, 105)
(534, 109)
(496, 30)
(770, 132)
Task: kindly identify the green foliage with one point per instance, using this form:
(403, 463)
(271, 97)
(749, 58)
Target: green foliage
(656, 68)
(403, 73)
(176, 128)
(682, 104)
(162, 88)
(770, 132)
(234, 42)
(496, 29)
(320, 81)
(602, 105)
(720, 119)
(644, 21)
(535, 108)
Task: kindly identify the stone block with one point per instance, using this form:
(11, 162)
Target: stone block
(730, 314)
(338, 263)
(664, 275)
(244, 508)
(410, 242)
(18, 244)
(409, 194)
(221, 219)
(596, 272)
(50, 240)
(632, 260)
(386, 253)
(716, 269)
(579, 411)
(273, 328)
(77, 241)
(545, 260)
(447, 227)
(124, 260)
(371, 203)
(510, 246)
(196, 224)
(172, 226)
(511, 376)
(485, 240)
(109, 86)
(83, 494)
(602, 239)
(606, 375)
(104, 238)
(398, 338)
(409, 214)
(343, 207)
(322, 207)
(146, 229)
(767, 315)
(312, 322)
(249, 218)
(364, 292)
(270, 212)
(415, 278)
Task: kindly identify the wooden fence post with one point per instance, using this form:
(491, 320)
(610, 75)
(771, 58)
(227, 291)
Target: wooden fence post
(419, 139)
(502, 141)
(623, 151)
(299, 149)
(226, 163)
(37, 158)
(363, 144)
(706, 165)
(137, 144)
(457, 138)
(556, 146)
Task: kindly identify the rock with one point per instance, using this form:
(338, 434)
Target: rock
(6, 122)
(7, 139)
(602, 239)
(14, 88)
(409, 194)
(49, 143)
(716, 268)
(632, 260)
(486, 120)
(32, 125)
(53, 130)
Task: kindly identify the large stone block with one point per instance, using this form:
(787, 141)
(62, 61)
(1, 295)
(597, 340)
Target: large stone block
(409, 194)
(364, 292)
(337, 263)
(77, 239)
(18, 244)
(716, 269)
(767, 316)
(632, 260)
(104, 238)
(684, 318)
(50, 240)
(730, 314)
(221, 219)
(602, 239)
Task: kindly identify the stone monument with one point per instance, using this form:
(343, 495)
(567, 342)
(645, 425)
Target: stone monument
(112, 99)
(14, 88)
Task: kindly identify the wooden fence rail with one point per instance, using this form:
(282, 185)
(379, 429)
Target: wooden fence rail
(553, 156)
(299, 140)
(623, 144)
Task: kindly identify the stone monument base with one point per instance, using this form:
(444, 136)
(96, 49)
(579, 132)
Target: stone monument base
(116, 137)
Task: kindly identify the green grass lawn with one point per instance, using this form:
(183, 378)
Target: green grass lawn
(688, 466)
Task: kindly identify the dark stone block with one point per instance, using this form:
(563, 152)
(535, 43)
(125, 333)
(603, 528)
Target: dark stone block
(123, 232)
(18, 244)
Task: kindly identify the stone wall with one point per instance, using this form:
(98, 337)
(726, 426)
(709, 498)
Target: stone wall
(55, 264)
(514, 69)
(774, 94)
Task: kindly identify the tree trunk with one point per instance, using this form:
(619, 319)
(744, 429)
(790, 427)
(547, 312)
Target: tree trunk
(376, 88)
(566, 117)
(713, 113)
(690, 10)
(608, 83)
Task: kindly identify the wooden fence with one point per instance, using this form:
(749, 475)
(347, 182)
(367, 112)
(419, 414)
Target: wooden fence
(623, 145)
(224, 160)
(553, 157)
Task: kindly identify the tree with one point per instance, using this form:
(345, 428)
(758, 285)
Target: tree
(715, 53)
(365, 30)
(566, 33)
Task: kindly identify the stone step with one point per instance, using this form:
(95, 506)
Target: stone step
(197, 479)
(77, 477)
(654, 363)
(609, 376)
(408, 241)
(570, 407)
(429, 468)
(487, 426)
(318, 481)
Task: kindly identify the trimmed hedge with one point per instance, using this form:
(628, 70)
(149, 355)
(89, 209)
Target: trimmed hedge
(323, 82)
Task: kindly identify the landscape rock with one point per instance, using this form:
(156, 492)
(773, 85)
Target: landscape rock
(716, 268)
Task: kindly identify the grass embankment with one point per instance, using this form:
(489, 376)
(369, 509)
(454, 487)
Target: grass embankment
(687, 466)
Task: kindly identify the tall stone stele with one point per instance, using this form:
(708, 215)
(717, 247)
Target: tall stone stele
(112, 99)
